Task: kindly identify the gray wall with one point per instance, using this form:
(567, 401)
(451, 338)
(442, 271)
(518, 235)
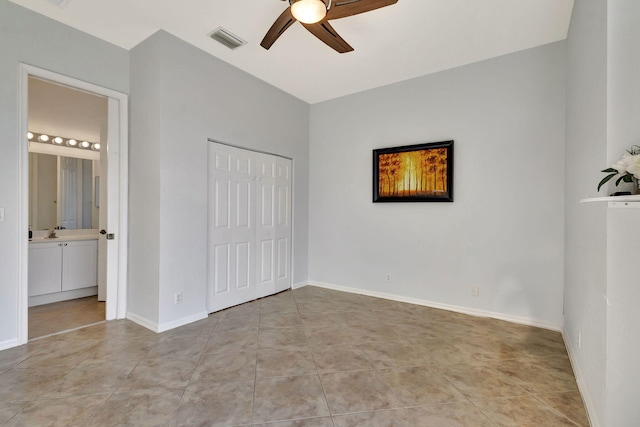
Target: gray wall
(192, 97)
(586, 246)
(602, 122)
(32, 39)
(145, 110)
(623, 283)
(504, 232)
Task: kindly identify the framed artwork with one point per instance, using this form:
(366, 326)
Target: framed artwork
(414, 173)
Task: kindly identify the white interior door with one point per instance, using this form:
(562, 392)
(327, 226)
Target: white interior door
(111, 208)
(244, 220)
(103, 206)
(265, 224)
(283, 225)
(231, 227)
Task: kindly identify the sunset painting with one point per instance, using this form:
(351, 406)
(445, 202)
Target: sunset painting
(414, 173)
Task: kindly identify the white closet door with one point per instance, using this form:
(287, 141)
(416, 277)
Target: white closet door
(265, 224)
(249, 225)
(283, 226)
(231, 227)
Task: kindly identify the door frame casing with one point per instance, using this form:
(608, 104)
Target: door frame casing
(116, 300)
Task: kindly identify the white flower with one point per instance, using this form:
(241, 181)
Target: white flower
(625, 169)
(629, 163)
(620, 166)
(633, 164)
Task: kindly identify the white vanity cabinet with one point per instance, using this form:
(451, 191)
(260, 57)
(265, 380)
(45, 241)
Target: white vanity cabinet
(79, 264)
(58, 269)
(45, 268)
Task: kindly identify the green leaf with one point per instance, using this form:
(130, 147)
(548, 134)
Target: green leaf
(626, 178)
(610, 170)
(606, 179)
(635, 150)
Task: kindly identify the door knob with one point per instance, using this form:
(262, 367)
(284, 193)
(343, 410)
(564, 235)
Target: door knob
(103, 231)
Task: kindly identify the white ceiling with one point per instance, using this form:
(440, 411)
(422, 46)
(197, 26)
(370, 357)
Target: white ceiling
(409, 39)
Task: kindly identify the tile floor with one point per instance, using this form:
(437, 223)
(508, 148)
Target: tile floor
(309, 357)
(61, 316)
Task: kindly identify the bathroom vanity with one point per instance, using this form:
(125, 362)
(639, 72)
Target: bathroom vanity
(62, 268)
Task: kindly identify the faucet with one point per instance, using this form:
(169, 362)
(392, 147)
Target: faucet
(52, 234)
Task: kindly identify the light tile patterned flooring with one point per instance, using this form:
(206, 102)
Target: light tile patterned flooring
(309, 358)
(49, 319)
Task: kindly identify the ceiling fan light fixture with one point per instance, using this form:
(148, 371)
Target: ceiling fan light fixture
(308, 11)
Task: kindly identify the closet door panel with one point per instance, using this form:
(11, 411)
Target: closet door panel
(265, 232)
(283, 226)
(231, 227)
(221, 272)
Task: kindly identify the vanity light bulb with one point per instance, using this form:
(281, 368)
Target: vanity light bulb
(85, 144)
(72, 142)
(96, 146)
(57, 140)
(29, 135)
(43, 138)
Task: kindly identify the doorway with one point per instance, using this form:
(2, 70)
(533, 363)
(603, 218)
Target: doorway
(66, 128)
(90, 171)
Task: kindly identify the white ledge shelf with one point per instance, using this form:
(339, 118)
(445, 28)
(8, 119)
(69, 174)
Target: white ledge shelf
(634, 198)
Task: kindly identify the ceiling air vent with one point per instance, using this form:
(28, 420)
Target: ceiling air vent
(226, 38)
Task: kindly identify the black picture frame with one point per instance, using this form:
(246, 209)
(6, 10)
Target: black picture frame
(413, 173)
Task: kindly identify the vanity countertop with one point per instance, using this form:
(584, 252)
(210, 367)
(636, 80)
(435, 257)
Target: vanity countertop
(64, 238)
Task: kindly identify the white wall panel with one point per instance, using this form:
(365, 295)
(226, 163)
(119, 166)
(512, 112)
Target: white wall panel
(221, 262)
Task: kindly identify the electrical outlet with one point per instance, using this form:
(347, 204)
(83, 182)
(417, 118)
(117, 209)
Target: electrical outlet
(178, 298)
(388, 277)
(475, 291)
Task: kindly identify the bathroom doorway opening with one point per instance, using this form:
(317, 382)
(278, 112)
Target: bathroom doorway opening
(73, 187)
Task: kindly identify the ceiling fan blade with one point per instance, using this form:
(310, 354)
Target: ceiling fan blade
(283, 22)
(325, 32)
(344, 8)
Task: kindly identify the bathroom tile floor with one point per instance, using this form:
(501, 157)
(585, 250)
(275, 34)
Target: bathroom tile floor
(310, 358)
(65, 315)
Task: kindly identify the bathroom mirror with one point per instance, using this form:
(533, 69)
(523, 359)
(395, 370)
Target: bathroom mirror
(62, 192)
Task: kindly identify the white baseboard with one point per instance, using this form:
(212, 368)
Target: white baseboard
(300, 285)
(4, 345)
(153, 326)
(455, 308)
(182, 321)
(162, 327)
(588, 403)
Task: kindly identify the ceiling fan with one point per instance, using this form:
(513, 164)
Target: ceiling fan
(314, 15)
